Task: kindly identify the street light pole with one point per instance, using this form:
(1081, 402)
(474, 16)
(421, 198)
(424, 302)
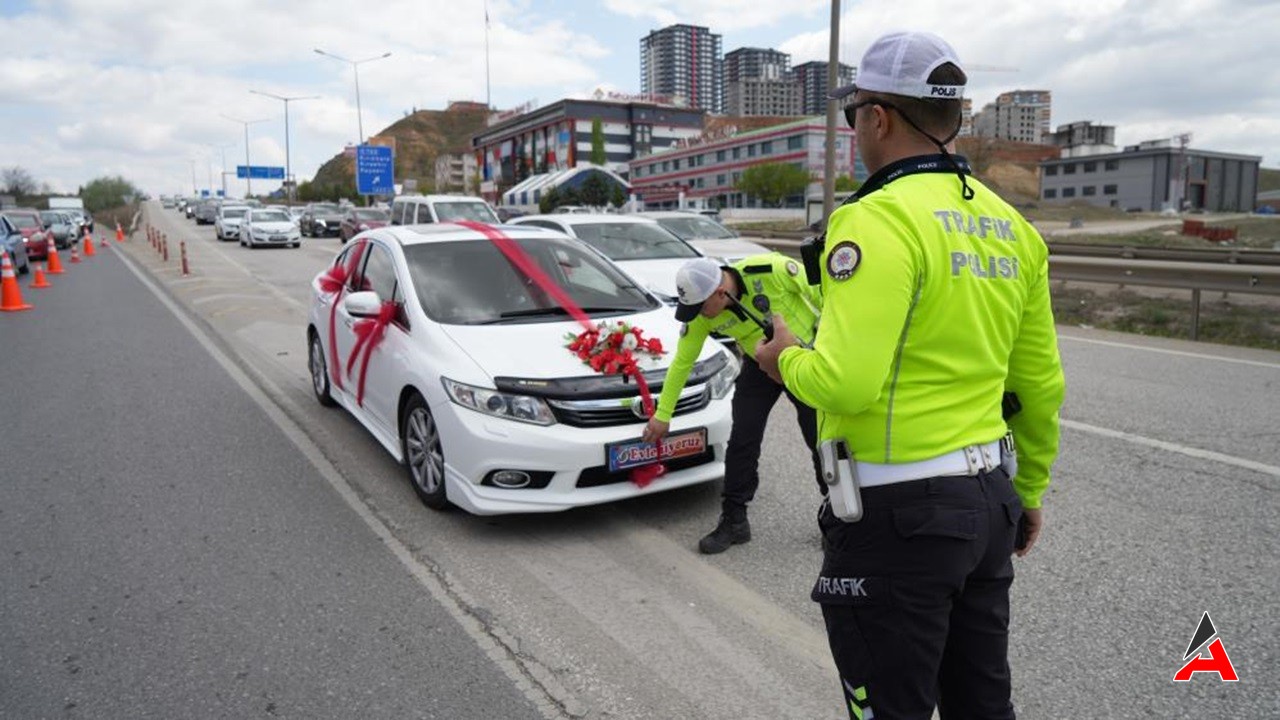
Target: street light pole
(355, 66)
(248, 177)
(222, 151)
(288, 168)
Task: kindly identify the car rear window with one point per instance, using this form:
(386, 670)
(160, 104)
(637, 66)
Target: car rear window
(24, 220)
(475, 211)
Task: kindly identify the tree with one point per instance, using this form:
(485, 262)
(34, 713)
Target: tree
(108, 192)
(619, 197)
(549, 201)
(772, 183)
(17, 181)
(844, 183)
(597, 142)
(595, 190)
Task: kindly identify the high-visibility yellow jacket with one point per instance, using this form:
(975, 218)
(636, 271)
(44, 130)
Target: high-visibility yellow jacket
(933, 307)
(772, 284)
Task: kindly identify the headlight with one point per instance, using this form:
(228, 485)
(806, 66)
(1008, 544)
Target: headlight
(722, 382)
(520, 408)
(320, 223)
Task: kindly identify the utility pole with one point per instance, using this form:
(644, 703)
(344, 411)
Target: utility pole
(833, 77)
(288, 168)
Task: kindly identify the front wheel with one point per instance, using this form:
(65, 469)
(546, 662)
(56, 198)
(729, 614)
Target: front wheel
(423, 454)
(319, 372)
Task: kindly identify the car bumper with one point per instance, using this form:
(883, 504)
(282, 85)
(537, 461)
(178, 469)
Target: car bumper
(477, 444)
(38, 250)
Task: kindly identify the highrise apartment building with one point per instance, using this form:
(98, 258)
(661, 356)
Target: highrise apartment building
(758, 82)
(1020, 115)
(684, 61)
(812, 77)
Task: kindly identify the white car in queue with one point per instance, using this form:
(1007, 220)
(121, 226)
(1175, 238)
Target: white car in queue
(473, 389)
(226, 225)
(269, 226)
(707, 235)
(640, 246)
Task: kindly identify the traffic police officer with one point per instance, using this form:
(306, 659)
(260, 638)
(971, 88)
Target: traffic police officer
(936, 305)
(738, 301)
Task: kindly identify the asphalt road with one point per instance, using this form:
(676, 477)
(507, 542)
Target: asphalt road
(1164, 505)
(168, 552)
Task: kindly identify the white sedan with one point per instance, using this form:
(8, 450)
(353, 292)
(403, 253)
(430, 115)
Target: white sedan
(640, 246)
(470, 383)
(268, 226)
(708, 236)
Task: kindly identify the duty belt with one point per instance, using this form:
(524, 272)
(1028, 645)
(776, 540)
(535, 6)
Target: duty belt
(966, 461)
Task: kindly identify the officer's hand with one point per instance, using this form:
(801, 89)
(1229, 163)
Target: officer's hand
(767, 351)
(1032, 524)
(655, 430)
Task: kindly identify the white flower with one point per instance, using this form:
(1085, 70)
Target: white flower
(629, 342)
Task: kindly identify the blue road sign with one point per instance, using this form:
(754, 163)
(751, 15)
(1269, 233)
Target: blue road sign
(204, 193)
(374, 170)
(259, 172)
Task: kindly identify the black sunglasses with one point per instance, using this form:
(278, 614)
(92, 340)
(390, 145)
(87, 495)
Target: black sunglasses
(851, 111)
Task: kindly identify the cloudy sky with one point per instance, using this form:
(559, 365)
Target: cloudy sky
(140, 87)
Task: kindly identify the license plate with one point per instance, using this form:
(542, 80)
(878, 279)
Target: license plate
(634, 453)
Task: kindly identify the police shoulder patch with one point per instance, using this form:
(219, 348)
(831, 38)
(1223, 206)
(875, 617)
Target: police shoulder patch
(792, 268)
(844, 260)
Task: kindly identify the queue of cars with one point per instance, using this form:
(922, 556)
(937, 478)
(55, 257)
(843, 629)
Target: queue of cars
(25, 232)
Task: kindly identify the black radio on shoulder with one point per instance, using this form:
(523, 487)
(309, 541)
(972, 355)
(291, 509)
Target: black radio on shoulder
(811, 250)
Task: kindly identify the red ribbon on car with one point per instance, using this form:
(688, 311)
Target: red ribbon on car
(369, 333)
(334, 282)
(645, 474)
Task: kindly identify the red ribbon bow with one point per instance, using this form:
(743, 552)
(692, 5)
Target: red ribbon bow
(369, 332)
(645, 474)
(333, 282)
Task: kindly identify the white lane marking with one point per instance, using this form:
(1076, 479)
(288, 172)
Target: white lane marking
(520, 673)
(1166, 351)
(1255, 466)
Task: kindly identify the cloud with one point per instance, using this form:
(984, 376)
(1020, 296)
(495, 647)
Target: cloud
(1143, 67)
(719, 15)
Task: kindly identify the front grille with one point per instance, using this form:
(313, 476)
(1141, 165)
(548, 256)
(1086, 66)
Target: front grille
(600, 475)
(608, 413)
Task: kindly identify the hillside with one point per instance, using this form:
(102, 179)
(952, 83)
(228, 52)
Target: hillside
(1010, 168)
(1268, 179)
(419, 139)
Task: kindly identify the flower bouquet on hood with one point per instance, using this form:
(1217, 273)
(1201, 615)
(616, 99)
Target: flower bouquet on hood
(613, 348)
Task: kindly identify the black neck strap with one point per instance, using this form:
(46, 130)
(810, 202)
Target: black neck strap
(940, 163)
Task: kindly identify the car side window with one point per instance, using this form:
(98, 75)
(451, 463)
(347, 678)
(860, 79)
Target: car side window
(380, 273)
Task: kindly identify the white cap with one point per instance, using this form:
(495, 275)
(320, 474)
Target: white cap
(696, 280)
(900, 64)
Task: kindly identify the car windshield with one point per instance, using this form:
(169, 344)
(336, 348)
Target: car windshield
(24, 220)
(234, 212)
(270, 216)
(53, 218)
(633, 241)
(696, 228)
(473, 283)
(371, 214)
(324, 209)
(477, 211)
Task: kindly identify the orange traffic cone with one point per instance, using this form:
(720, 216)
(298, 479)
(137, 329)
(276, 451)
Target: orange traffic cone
(39, 281)
(119, 233)
(10, 293)
(88, 244)
(75, 256)
(55, 265)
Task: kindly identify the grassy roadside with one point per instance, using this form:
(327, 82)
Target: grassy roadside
(1221, 320)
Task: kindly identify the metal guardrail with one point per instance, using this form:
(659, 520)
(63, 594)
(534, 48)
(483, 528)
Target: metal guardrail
(1241, 256)
(1224, 272)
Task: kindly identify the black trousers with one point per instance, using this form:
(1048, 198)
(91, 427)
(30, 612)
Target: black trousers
(754, 396)
(916, 598)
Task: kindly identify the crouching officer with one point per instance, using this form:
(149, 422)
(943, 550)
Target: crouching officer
(739, 301)
(935, 304)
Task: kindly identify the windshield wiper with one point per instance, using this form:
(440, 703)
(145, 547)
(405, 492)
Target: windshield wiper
(537, 312)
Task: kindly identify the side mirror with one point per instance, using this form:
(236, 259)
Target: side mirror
(362, 304)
